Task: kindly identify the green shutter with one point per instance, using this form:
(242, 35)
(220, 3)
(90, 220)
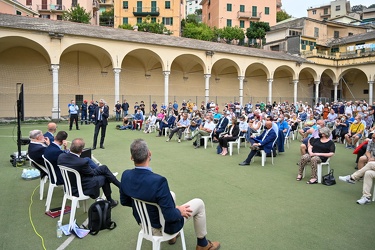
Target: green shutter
(153, 6)
(125, 4)
(267, 10)
(242, 24)
(229, 7)
(254, 11)
(242, 8)
(124, 20)
(139, 6)
(171, 20)
(167, 4)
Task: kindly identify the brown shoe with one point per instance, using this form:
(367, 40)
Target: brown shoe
(173, 241)
(210, 246)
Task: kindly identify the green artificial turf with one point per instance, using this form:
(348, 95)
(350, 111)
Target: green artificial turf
(249, 207)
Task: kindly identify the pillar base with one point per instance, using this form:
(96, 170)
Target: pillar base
(55, 114)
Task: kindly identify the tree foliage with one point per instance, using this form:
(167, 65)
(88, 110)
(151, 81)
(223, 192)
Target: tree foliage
(371, 6)
(148, 26)
(77, 14)
(232, 33)
(198, 31)
(257, 30)
(106, 18)
(282, 15)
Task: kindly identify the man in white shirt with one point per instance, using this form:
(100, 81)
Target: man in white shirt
(205, 129)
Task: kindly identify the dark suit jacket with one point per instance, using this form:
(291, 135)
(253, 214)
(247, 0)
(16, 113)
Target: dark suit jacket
(51, 153)
(35, 151)
(235, 131)
(90, 184)
(224, 123)
(50, 136)
(145, 185)
(105, 115)
(268, 141)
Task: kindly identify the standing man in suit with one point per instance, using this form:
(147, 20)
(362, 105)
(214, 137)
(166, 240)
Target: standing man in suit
(52, 153)
(263, 141)
(51, 130)
(92, 179)
(142, 183)
(100, 115)
(37, 146)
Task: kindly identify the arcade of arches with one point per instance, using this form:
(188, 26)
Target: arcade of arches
(57, 68)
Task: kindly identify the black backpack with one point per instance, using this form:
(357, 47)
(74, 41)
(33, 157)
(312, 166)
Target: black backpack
(100, 216)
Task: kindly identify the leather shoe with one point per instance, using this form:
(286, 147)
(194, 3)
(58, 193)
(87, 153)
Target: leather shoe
(173, 240)
(244, 163)
(93, 148)
(210, 246)
(114, 203)
(102, 147)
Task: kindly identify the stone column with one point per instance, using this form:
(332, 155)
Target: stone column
(270, 89)
(207, 87)
(335, 84)
(117, 84)
(316, 91)
(370, 92)
(55, 91)
(295, 91)
(166, 87)
(241, 78)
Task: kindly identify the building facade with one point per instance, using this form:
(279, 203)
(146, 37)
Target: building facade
(16, 8)
(170, 13)
(325, 12)
(239, 13)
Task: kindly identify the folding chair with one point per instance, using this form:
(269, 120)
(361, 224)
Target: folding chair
(146, 229)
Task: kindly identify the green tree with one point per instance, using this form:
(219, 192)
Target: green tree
(198, 31)
(232, 33)
(282, 15)
(77, 14)
(148, 26)
(106, 18)
(126, 26)
(257, 30)
(371, 6)
(198, 12)
(358, 8)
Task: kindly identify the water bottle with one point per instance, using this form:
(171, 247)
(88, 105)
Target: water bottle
(58, 229)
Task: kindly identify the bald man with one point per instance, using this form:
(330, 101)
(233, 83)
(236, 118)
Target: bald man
(51, 130)
(261, 142)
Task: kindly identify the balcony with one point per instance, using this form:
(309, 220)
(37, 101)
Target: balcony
(146, 11)
(106, 3)
(325, 14)
(50, 7)
(95, 5)
(249, 15)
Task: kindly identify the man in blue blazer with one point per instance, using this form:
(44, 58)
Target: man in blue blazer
(263, 141)
(100, 116)
(52, 153)
(37, 146)
(51, 130)
(143, 184)
(91, 179)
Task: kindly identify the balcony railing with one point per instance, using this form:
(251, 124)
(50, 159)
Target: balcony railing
(146, 11)
(50, 7)
(249, 15)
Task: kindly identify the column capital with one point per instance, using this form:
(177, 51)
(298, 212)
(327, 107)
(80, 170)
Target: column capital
(317, 82)
(295, 81)
(241, 78)
(116, 70)
(55, 66)
(335, 84)
(166, 73)
(207, 76)
(371, 82)
(270, 80)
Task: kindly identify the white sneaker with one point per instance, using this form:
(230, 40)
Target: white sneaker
(168, 140)
(346, 179)
(179, 140)
(364, 200)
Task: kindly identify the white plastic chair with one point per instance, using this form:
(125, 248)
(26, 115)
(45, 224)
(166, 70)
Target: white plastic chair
(319, 168)
(51, 187)
(231, 143)
(206, 138)
(287, 136)
(42, 180)
(146, 229)
(68, 193)
(264, 154)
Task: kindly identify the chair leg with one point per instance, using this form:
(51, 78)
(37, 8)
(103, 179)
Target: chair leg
(155, 245)
(319, 167)
(230, 148)
(264, 155)
(139, 241)
(72, 213)
(49, 196)
(205, 142)
(41, 188)
(183, 239)
(62, 209)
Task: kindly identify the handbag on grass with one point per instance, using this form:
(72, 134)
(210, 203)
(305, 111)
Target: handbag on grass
(329, 179)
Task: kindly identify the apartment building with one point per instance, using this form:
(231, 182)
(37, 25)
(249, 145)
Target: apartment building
(170, 13)
(239, 13)
(305, 34)
(16, 8)
(327, 11)
(192, 6)
(49, 9)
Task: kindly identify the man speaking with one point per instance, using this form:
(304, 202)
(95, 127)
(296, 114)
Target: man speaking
(100, 116)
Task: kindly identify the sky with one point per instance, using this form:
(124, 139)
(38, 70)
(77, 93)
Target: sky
(298, 8)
